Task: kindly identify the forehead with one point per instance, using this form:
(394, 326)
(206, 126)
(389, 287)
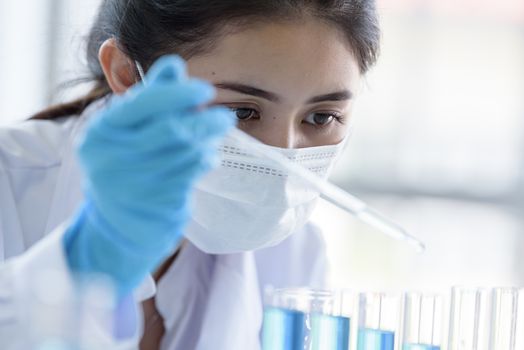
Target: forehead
(307, 56)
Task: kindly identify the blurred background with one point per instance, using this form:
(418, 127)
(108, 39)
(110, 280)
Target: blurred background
(438, 141)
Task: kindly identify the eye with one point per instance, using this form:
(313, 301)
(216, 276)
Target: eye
(244, 114)
(322, 119)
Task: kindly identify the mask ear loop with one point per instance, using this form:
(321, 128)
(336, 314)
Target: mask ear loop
(141, 72)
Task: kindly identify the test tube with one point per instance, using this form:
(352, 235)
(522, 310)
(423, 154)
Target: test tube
(469, 319)
(283, 329)
(504, 319)
(519, 334)
(330, 329)
(284, 326)
(305, 319)
(378, 321)
(423, 321)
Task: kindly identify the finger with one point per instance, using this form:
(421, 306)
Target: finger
(133, 109)
(167, 68)
(209, 123)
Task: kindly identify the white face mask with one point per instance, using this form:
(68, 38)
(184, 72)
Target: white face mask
(249, 202)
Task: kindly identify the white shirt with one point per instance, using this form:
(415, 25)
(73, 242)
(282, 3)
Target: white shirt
(207, 301)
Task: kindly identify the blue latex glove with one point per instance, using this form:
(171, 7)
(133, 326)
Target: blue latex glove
(140, 157)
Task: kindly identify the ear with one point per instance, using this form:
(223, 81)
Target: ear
(119, 70)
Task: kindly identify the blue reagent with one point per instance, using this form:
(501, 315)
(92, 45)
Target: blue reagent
(375, 339)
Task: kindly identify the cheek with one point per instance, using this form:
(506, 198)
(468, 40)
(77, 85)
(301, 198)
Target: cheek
(344, 130)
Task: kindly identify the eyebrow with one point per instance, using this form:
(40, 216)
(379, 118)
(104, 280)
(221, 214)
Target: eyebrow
(270, 96)
(248, 90)
(334, 96)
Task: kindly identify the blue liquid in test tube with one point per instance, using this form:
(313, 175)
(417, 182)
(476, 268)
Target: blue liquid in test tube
(283, 329)
(420, 347)
(330, 332)
(375, 339)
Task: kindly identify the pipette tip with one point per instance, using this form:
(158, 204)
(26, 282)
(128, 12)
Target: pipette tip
(419, 246)
(414, 242)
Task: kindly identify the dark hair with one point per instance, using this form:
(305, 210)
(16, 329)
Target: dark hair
(148, 29)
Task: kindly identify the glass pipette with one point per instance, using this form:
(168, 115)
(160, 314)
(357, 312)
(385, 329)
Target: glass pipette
(328, 191)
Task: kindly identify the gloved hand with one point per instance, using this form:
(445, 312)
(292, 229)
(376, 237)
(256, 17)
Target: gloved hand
(140, 157)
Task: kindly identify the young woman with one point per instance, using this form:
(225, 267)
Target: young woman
(125, 181)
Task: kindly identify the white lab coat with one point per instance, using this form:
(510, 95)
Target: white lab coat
(207, 301)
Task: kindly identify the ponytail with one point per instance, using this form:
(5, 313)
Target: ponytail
(75, 107)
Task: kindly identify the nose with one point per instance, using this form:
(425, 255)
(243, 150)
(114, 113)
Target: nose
(278, 129)
(278, 135)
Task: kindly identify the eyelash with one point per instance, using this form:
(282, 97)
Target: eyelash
(237, 109)
(336, 116)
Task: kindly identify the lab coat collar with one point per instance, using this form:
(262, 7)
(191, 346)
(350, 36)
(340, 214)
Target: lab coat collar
(210, 301)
